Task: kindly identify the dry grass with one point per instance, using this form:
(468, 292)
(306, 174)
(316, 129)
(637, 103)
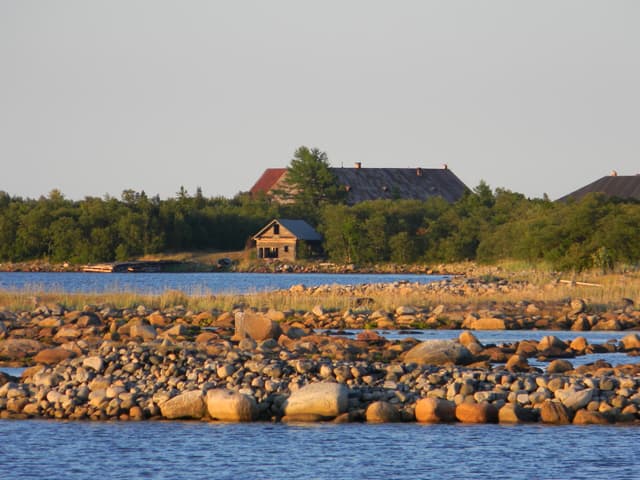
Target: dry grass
(202, 257)
(541, 286)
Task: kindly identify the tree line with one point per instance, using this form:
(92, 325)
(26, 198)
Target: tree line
(485, 225)
(107, 229)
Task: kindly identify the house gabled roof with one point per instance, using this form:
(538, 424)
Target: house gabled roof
(618, 186)
(383, 183)
(299, 228)
(268, 180)
(391, 183)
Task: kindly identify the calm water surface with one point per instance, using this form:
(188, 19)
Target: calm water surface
(190, 283)
(36, 449)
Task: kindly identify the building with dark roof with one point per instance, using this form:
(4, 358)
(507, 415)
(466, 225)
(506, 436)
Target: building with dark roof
(362, 184)
(284, 239)
(625, 187)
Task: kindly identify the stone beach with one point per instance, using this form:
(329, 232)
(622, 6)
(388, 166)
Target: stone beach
(248, 364)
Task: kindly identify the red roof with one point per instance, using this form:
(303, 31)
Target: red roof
(268, 180)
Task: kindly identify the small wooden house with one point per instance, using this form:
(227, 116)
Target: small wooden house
(286, 239)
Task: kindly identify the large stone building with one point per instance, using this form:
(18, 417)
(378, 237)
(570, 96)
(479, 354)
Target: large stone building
(363, 184)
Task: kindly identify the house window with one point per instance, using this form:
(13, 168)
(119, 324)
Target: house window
(276, 229)
(286, 248)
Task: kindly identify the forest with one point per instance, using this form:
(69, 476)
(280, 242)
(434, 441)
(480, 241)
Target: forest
(108, 229)
(485, 225)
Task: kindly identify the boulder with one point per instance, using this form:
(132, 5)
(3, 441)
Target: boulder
(67, 333)
(144, 331)
(439, 352)
(50, 322)
(405, 310)
(95, 363)
(553, 411)
(157, 319)
(206, 337)
(488, 323)
(228, 406)
(517, 363)
(579, 344)
(89, 319)
(323, 398)
(47, 380)
(224, 320)
(185, 405)
(514, 413)
(581, 324)
(369, 336)
(477, 413)
(385, 323)
(19, 348)
(559, 366)
(275, 315)
(255, 326)
(51, 356)
(549, 342)
(606, 325)
(435, 410)
(467, 338)
(631, 342)
(382, 412)
(303, 418)
(575, 400)
(294, 333)
(178, 330)
(587, 417)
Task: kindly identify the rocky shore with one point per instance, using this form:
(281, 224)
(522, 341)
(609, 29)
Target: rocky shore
(103, 363)
(484, 313)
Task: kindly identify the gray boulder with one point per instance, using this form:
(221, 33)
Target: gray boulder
(382, 412)
(575, 400)
(255, 326)
(144, 331)
(322, 399)
(186, 405)
(19, 348)
(439, 352)
(228, 406)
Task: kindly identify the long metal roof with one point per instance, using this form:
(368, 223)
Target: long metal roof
(393, 183)
(619, 186)
(364, 184)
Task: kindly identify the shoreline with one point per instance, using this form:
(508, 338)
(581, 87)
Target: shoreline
(245, 363)
(187, 266)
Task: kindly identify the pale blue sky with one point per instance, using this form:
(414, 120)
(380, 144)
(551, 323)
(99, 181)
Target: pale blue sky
(100, 96)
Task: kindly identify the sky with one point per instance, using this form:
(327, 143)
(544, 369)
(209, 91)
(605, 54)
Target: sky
(96, 97)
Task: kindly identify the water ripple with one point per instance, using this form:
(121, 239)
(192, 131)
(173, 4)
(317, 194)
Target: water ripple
(38, 449)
